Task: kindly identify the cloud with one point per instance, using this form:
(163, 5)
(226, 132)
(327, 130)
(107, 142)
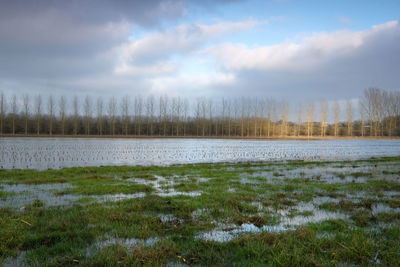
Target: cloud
(180, 40)
(156, 69)
(312, 51)
(192, 85)
(147, 13)
(49, 39)
(86, 47)
(327, 66)
(144, 13)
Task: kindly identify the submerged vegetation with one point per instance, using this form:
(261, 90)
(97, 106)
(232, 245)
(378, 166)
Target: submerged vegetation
(286, 213)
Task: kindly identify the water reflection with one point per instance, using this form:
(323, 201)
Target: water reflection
(44, 153)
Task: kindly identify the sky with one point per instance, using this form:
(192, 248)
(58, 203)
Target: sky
(284, 49)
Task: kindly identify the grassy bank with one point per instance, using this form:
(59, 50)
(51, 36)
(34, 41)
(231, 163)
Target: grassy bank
(289, 213)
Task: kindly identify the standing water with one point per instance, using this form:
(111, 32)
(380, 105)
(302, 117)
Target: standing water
(44, 153)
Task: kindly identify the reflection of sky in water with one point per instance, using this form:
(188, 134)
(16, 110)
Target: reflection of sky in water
(43, 153)
(47, 194)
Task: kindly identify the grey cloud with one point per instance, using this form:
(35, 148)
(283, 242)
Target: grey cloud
(144, 13)
(375, 63)
(54, 39)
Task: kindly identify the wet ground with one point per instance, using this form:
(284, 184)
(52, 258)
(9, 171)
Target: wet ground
(173, 209)
(54, 153)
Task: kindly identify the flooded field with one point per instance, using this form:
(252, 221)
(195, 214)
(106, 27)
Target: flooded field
(310, 213)
(53, 153)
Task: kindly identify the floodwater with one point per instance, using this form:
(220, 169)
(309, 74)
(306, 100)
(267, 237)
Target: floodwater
(54, 153)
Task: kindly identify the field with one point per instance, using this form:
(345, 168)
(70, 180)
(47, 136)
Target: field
(282, 213)
(55, 153)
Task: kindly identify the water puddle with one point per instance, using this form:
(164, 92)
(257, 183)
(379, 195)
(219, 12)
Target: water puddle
(48, 195)
(379, 208)
(117, 197)
(176, 264)
(126, 242)
(301, 214)
(164, 187)
(249, 181)
(45, 193)
(169, 218)
(203, 180)
(304, 213)
(18, 261)
(231, 232)
(173, 193)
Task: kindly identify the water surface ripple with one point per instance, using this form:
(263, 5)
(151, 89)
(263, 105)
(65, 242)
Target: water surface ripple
(54, 153)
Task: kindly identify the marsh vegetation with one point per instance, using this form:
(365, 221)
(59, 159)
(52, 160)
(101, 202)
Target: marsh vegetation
(280, 213)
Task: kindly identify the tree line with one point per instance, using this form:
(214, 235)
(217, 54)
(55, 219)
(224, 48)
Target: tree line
(379, 115)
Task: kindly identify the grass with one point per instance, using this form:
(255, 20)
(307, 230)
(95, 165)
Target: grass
(61, 235)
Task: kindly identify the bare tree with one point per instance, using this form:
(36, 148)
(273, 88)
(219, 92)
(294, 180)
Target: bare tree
(112, 105)
(185, 115)
(210, 107)
(379, 110)
(396, 108)
(372, 104)
(26, 112)
(242, 117)
(223, 116)
(256, 110)
(125, 113)
(236, 108)
(177, 110)
(203, 108)
(50, 106)
(366, 107)
(349, 111)
(310, 118)
(362, 118)
(2, 112)
(262, 115)
(99, 109)
(248, 114)
(299, 119)
(62, 105)
(269, 108)
(229, 114)
(38, 110)
(138, 113)
(336, 110)
(284, 118)
(160, 114)
(389, 110)
(150, 114)
(76, 115)
(14, 111)
(324, 110)
(87, 107)
(197, 114)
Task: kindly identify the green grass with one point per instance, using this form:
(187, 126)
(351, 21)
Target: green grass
(61, 235)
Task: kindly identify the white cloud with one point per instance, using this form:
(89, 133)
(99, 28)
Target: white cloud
(310, 53)
(156, 69)
(180, 40)
(191, 85)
